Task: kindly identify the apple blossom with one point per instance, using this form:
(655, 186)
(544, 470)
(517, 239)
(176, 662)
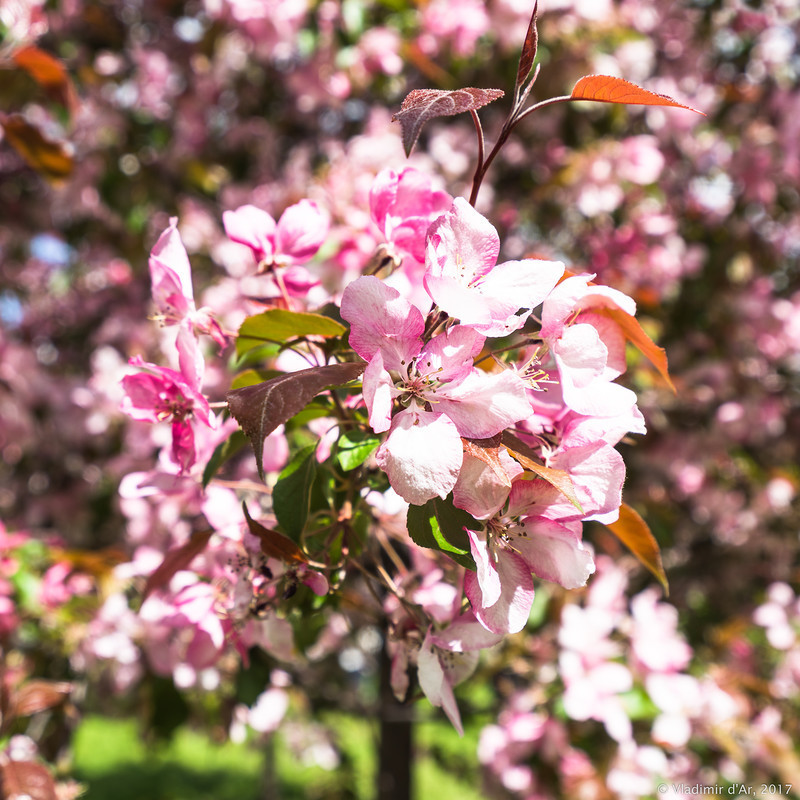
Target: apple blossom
(159, 394)
(463, 277)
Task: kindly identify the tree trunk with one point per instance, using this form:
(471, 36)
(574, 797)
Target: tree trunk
(396, 752)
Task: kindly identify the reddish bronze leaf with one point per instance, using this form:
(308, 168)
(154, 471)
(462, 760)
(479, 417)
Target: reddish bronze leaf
(636, 335)
(259, 409)
(488, 451)
(424, 104)
(50, 158)
(528, 54)
(273, 543)
(606, 89)
(635, 534)
(176, 559)
(555, 477)
(48, 72)
(26, 779)
(38, 695)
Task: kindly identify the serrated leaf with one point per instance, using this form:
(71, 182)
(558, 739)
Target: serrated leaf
(291, 494)
(607, 89)
(635, 534)
(26, 779)
(51, 159)
(439, 525)
(48, 72)
(558, 478)
(177, 559)
(273, 543)
(280, 325)
(261, 408)
(529, 48)
(223, 451)
(354, 448)
(636, 335)
(422, 105)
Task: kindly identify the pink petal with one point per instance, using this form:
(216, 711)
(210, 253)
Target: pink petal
(555, 553)
(509, 612)
(382, 197)
(378, 387)
(190, 357)
(183, 450)
(465, 634)
(486, 574)
(422, 455)
(598, 472)
(253, 227)
(169, 264)
(434, 685)
(315, 581)
(380, 319)
(462, 244)
(467, 305)
(448, 357)
(301, 230)
(481, 489)
(483, 404)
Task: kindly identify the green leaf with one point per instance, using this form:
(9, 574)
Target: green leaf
(250, 377)
(291, 494)
(225, 450)
(279, 325)
(354, 448)
(439, 525)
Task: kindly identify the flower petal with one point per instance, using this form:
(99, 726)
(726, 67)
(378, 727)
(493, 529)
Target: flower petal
(555, 552)
(380, 319)
(422, 455)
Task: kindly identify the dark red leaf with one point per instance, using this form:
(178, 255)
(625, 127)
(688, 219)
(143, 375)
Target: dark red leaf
(26, 779)
(261, 408)
(38, 695)
(424, 104)
(528, 54)
(273, 543)
(50, 158)
(606, 89)
(176, 559)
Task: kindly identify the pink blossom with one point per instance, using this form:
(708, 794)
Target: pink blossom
(513, 545)
(162, 394)
(173, 295)
(403, 205)
(422, 454)
(60, 583)
(185, 633)
(464, 279)
(294, 239)
(588, 347)
(461, 22)
(447, 658)
(655, 640)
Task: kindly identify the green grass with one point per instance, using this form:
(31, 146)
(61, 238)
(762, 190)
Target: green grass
(114, 763)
